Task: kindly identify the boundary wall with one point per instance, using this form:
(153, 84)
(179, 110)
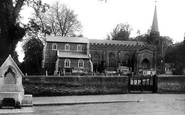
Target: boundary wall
(92, 85)
(75, 85)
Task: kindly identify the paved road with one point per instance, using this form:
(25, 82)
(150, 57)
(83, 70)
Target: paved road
(149, 104)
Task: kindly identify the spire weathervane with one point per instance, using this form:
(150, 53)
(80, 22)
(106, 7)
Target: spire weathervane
(155, 2)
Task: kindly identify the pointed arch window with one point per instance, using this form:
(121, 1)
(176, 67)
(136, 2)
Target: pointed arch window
(54, 46)
(80, 63)
(126, 60)
(67, 47)
(67, 63)
(96, 59)
(111, 59)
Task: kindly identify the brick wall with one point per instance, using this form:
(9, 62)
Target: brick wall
(74, 63)
(73, 46)
(75, 85)
(171, 84)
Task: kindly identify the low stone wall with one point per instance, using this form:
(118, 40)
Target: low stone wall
(75, 85)
(171, 84)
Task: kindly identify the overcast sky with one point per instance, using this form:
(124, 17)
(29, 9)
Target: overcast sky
(99, 18)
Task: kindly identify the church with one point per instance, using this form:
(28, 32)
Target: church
(70, 55)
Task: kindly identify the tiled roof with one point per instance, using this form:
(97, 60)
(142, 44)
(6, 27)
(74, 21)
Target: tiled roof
(115, 42)
(64, 54)
(67, 39)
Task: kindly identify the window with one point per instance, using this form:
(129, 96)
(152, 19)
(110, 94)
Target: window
(126, 60)
(79, 47)
(104, 56)
(80, 63)
(54, 46)
(67, 63)
(67, 47)
(95, 59)
(111, 60)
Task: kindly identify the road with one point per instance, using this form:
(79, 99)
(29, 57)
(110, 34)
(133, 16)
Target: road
(149, 104)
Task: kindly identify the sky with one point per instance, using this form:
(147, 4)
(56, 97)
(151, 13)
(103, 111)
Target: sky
(99, 18)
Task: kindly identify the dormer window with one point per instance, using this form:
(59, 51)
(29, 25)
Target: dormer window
(54, 46)
(79, 47)
(67, 47)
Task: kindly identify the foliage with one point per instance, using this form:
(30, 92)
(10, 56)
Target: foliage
(33, 56)
(175, 55)
(10, 30)
(120, 32)
(37, 26)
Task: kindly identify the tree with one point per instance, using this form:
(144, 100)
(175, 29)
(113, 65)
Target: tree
(37, 26)
(10, 30)
(120, 32)
(62, 20)
(175, 55)
(33, 56)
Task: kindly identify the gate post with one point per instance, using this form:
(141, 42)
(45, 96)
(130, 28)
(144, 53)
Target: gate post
(155, 80)
(141, 83)
(129, 83)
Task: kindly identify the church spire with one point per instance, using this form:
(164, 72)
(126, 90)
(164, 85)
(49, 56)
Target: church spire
(155, 29)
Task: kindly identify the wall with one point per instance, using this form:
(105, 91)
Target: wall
(171, 84)
(75, 85)
(74, 64)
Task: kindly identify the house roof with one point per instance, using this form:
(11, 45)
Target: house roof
(63, 54)
(67, 39)
(115, 42)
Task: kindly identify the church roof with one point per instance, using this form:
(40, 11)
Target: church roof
(67, 39)
(62, 54)
(115, 42)
(155, 22)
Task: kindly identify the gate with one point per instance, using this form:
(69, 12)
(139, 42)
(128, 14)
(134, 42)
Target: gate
(141, 83)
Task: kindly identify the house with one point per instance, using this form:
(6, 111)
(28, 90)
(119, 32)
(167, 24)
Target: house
(66, 55)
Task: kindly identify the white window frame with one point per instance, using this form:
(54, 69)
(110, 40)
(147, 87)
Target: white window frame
(67, 47)
(54, 46)
(80, 62)
(67, 63)
(79, 47)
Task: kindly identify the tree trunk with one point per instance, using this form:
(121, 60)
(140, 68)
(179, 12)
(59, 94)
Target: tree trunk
(10, 31)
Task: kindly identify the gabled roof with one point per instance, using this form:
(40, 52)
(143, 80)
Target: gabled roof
(67, 39)
(63, 54)
(115, 42)
(10, 62)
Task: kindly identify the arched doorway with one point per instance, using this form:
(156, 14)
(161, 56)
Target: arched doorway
(145, 63)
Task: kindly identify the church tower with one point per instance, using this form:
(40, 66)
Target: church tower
(156, 40)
